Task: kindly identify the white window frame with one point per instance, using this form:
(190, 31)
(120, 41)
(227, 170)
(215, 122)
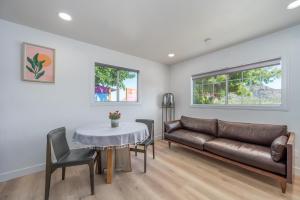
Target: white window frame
(113, 103)
(284, 87)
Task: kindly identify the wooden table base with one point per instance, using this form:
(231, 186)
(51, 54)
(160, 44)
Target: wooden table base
(109, 164)
(112, 159)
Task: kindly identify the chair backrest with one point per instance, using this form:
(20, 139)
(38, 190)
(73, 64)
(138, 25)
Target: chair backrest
(150, 125)
(57, 140)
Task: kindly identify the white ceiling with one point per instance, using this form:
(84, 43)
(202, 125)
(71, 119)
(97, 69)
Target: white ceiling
(152, 28)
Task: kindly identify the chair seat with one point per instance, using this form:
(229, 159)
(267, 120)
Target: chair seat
(189, 138)
(148, 141)
(77, 157)
(250, 154)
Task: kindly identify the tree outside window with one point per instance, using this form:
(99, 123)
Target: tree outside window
(257, 86)
(115, 84)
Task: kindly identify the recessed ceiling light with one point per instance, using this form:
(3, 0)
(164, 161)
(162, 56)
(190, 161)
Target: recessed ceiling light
(171, 55)
(293, 5)
(65, 16)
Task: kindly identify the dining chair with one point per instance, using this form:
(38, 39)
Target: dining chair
(147, 142)
(64, 157)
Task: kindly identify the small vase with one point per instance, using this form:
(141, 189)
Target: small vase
(114, 123)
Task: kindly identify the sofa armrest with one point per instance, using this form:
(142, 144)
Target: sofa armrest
(290, 157)
(172, 126)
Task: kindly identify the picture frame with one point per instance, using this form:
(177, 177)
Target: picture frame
(38, 63)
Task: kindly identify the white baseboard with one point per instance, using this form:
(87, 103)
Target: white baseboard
(33, 169)
(297, 171)
(21, 172)
(157, 137)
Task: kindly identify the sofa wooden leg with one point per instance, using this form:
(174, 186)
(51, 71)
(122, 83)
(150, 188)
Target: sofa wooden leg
(169, 145)
(283, 186)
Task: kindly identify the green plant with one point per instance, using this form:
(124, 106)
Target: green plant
(36, 66)
(114, 115)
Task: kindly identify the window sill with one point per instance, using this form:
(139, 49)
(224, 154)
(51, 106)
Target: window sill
(121, 103)
(282, 108)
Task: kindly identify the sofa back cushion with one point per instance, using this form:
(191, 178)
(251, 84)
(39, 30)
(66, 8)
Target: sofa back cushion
(208, 126)
(261, 134)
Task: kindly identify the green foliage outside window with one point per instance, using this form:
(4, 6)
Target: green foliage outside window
(248, 84)
(112, 77)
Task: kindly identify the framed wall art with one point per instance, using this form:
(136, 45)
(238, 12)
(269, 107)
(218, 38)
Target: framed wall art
(38, 63)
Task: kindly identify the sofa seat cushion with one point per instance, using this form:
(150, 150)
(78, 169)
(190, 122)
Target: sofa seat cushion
(189, 138)
(250, 154)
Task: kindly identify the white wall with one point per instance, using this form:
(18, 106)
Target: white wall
(29, 110)
(285, 44)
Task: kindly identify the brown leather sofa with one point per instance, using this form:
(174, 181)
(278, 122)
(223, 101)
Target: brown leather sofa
(261, 148)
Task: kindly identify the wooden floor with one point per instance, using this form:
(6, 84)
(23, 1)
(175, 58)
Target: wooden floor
(176, 173)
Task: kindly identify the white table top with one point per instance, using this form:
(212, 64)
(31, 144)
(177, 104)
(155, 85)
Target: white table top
(102, 135)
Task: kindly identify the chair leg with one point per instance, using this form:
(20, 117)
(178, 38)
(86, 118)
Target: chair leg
(91, 166)
(63, 173)
(47, 183)
(145, 158)
(153, 150)
(135, 152)
(169, 145)
(99, 162)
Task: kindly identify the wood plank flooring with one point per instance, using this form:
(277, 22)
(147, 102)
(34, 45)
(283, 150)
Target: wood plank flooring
(176, 173)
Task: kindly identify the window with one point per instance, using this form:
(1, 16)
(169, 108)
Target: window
(258, 84)
(115, 84)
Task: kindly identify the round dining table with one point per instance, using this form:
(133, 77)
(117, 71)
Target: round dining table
(103, 136)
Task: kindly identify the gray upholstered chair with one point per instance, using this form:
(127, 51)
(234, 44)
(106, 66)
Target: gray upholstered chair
(147, 142)
(57, 142)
